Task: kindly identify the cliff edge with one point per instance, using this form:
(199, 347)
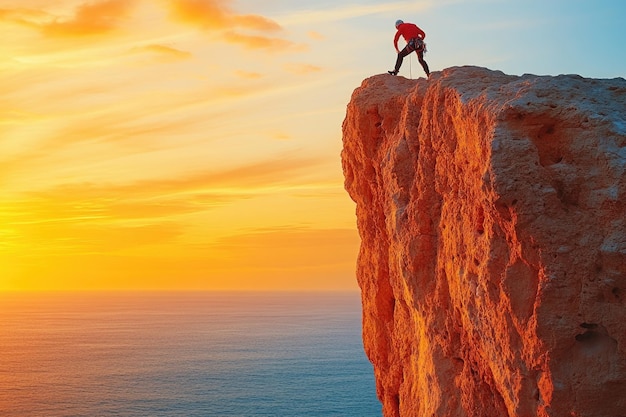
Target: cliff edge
(492, 214)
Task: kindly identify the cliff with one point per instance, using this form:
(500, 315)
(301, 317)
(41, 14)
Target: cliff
(492, 214)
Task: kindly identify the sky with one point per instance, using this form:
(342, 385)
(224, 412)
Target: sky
(195, 144)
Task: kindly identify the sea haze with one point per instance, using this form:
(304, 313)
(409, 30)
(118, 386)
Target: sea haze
(184, 354)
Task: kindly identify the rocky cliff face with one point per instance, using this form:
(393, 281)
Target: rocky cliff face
(492, 215)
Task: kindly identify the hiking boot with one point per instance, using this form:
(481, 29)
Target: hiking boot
(393, 72)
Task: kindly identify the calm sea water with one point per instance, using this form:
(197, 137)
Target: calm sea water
(184, 354)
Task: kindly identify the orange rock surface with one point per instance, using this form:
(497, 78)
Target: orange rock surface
(492, 214)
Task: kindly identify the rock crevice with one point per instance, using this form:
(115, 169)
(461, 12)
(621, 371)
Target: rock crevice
(493, 258)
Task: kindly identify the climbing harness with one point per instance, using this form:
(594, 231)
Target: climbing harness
(417, 44)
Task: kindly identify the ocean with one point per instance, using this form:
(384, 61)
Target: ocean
(183, 354)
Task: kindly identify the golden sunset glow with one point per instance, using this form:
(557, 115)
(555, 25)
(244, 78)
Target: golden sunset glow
(188, 144)
(155, 145)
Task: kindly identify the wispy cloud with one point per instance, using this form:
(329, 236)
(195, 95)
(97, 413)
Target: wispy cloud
(249, 75)
(113, 160)
(163, 52)
(301, 69)
(232, 27)
(91, 19)
(251, 31)
(312, 34)
(210, 188)
(86, 217)
(273, 44)
(281, 136)
(216, 14)
(25, 16)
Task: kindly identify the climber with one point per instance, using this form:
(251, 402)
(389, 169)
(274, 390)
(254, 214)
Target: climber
(414, 36)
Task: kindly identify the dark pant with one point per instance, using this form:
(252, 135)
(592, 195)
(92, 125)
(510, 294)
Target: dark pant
(420, 57)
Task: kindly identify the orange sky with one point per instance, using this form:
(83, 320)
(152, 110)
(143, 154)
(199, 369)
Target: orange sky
(194, 144)
(155, 145)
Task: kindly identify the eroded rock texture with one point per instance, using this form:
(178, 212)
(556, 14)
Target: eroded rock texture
(492, 215)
